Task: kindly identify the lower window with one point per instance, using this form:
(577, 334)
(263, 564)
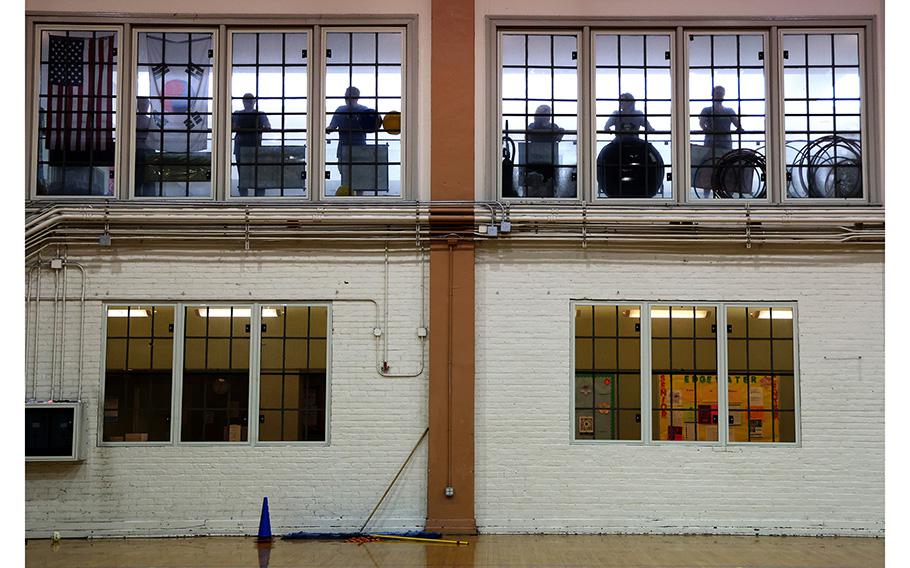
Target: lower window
(682, 399)
(227, 353)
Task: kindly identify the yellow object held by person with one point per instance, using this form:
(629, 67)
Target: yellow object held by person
(391, 123)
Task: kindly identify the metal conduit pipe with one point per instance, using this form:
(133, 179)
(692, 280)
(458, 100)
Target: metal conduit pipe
(37, 330)
(28, 315)
(63, 329)
(81, 330)
(54, 328)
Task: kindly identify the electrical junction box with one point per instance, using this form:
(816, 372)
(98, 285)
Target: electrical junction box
(53, 431)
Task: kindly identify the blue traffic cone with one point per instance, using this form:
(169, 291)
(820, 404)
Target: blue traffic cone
(265, 525)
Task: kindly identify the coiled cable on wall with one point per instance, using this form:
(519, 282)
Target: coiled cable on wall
(830, 166)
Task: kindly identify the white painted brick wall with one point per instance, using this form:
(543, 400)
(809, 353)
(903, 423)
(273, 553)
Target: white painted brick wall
(180, 490)
(531, 479)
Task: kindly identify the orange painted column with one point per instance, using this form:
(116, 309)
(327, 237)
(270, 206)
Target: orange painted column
(450, 464)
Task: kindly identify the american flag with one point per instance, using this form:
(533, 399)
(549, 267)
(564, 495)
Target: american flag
(80, 93)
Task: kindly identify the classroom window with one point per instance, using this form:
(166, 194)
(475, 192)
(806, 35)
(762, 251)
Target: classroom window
(761, 387)
(138, 373)
(77, 120)
(607, 373)
(216, 374)
(292, 373)
(676, 397)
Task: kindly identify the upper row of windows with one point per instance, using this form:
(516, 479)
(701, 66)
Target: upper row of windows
(322, 114)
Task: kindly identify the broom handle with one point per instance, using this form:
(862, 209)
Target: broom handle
(389, 488)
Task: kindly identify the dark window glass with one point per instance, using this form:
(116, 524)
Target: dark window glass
(292, 370)
(138, 370)
(216, 374)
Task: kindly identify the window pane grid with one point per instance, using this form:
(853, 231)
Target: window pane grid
(269, 153)
(628, 165)
(678, 370)
(608, 382)
(173, 148)
(823, 141)
(300, 417)
(137, 386)
(365, 139)
(76, 113)
(216, 374)
(728, 164)
(759, 371)
(540, 89)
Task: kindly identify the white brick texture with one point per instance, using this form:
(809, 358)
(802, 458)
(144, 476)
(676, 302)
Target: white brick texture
(530, 478)
(183, 490)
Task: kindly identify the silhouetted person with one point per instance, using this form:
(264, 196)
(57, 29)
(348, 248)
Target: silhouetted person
(145, 146)
(352, 121)
(716, 120)
(628, 121)
(543, 137)
(248, 125)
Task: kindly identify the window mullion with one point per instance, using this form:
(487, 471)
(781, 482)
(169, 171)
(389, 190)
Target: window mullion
(585, 144)
(680, 126)
(177, 375)
(316, 68)
(775, 155)
(723, 411)
(255, 359)
(646, 374)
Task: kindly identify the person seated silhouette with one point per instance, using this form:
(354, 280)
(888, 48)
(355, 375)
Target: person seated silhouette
(543, 137)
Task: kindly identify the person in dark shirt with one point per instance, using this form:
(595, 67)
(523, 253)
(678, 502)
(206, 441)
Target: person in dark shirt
(352, 121)
(628, 121)
(248, 125)
(715, 121)
(543, 137)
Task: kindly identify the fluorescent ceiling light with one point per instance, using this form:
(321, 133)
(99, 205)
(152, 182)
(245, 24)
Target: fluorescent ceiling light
(773, 313)
(664, 313)
(127, 312)
(238, 312)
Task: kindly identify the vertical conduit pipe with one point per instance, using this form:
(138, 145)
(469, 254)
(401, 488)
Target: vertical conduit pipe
(63, 329)
(54, 330)
(81, 330)
(37, 330)
(28, 317)
(449, 357)
(385, 309)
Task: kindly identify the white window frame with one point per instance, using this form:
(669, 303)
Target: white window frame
(722, 373)
(179, 339)
(320, 109)
(32, 150)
